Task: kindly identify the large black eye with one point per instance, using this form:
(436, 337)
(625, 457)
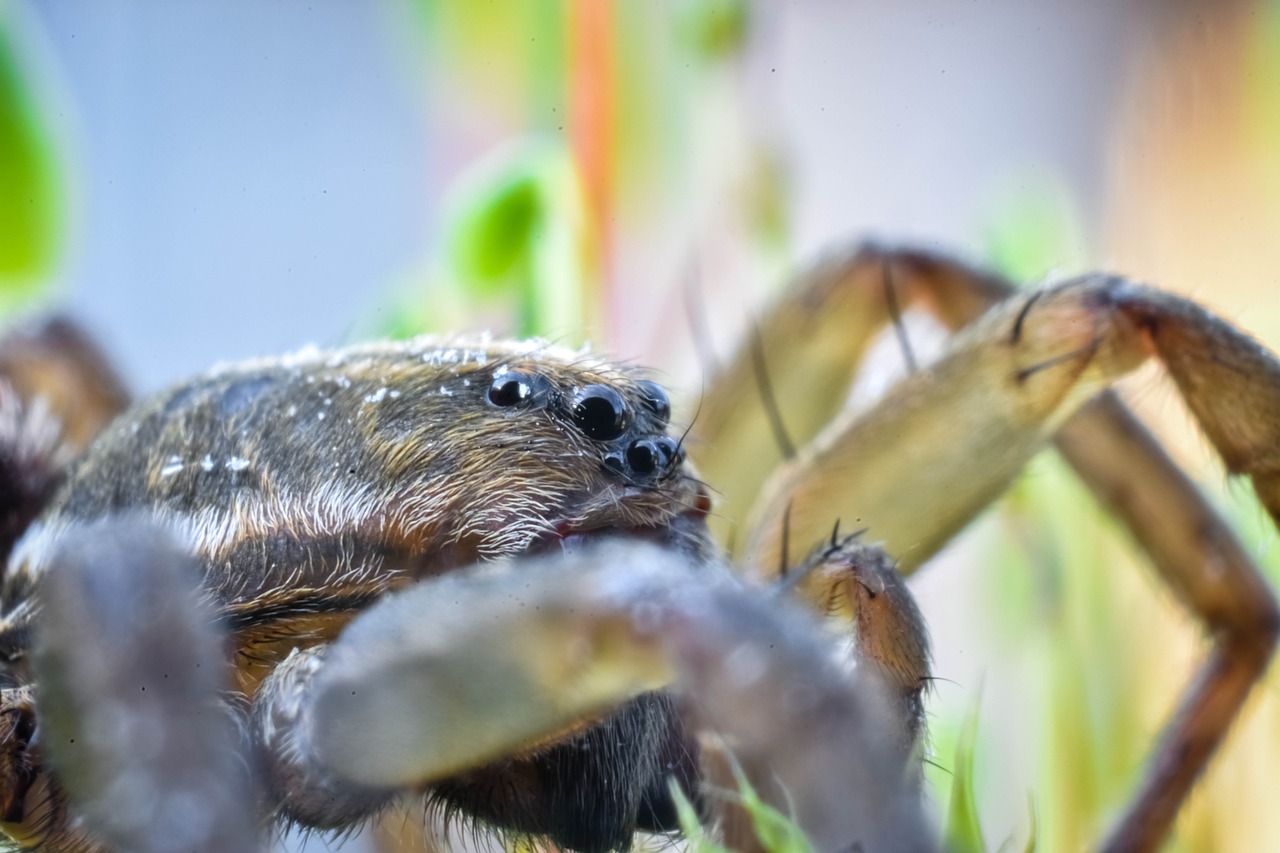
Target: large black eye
(655, 399)
(513, 388)
(600, 412)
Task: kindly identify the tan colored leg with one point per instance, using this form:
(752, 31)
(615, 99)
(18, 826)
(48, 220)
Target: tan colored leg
(946, 441)
(812, 342)
(1201, 560)
(858, 584)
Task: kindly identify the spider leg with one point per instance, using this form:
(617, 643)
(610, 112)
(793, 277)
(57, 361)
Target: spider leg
(859, 584)
(456, 672)
(56, 394)
(55, 360)
(135, 724)
(1192, 548)
(813, 341)
(1023, 372)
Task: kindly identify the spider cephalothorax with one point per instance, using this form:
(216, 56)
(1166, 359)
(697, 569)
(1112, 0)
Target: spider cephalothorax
(480, 572)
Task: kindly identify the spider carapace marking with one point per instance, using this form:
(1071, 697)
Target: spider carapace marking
(307, 487)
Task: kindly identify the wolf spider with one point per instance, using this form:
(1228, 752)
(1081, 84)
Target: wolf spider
(480, 573)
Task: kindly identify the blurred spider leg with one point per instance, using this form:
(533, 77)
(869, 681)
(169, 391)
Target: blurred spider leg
(1232, 386)
(461, 670)
(32, 457)
(56, 394)
(812, 341)
(56, 361)
(299, 787)
(895, 314)
(946, 441)
(143, 740)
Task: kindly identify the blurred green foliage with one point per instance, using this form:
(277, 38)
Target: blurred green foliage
(777, 832)
(715, 30)
(1033, 229)
(516, 227)
(30, 194)
(963, 830)
(608, 105)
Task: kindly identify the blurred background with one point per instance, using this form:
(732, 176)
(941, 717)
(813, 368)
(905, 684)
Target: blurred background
(216, 179)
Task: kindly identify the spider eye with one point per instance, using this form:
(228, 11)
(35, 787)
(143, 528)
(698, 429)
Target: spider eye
(655, 399)
(513, 388)
(600, 412)
(648, 455)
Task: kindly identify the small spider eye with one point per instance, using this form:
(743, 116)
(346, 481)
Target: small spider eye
(642, 456)
(600, 412)
(655, 399)
(513, 388)
(648, 455)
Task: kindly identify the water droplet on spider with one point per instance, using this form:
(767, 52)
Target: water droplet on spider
(376, 396)
(320, 416)
(394, 394)
(745, 665)
(446, 391)
(172, 466)
(238, 463)
(207, 463)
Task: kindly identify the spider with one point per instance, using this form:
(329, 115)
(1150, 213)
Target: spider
(481, 572)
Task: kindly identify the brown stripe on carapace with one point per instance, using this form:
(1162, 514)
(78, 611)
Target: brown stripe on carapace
(289, 592)
(264, 573)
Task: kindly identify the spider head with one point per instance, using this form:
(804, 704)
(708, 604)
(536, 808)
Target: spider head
(541, 448)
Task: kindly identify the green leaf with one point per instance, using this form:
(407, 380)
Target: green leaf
(963, 833)
(715, 29)
(1033, 834)
(495, 227)
(517, 228)
(695, 836)
(30, 209)
(777, 832)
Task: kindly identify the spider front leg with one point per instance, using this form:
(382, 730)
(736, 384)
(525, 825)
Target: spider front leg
(144, 750)
(488, 670)
(948, 439)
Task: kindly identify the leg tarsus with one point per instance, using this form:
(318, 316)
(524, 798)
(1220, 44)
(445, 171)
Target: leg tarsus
(299, 786)
(859, 584)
